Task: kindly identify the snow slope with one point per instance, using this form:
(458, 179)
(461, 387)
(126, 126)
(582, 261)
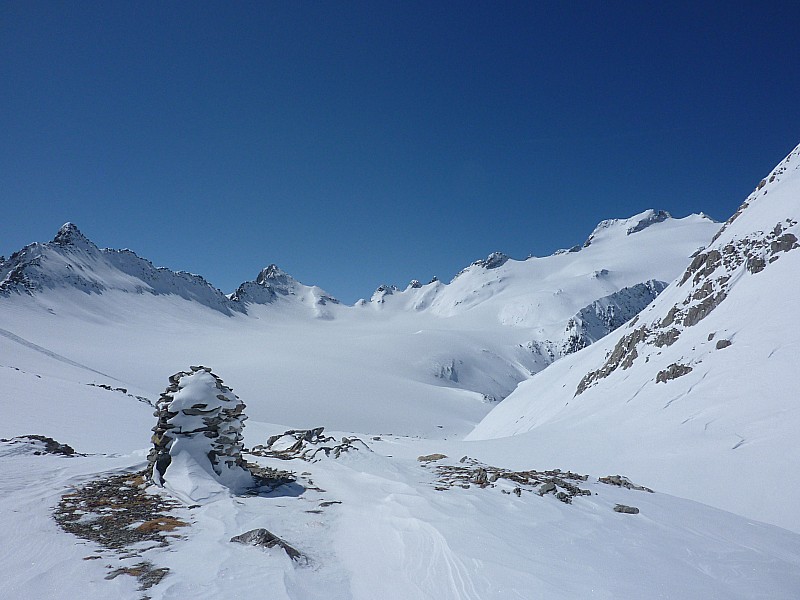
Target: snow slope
(431, 359)
(376, 523)
(81, 356)
(701, 386)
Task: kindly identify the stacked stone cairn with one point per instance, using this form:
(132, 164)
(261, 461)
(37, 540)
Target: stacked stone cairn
(200, 415)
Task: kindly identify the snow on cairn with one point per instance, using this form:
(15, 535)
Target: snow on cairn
(197, 442)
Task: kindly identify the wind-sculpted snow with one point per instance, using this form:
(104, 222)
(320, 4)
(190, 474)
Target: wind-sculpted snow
(707, 370)
(378, 524)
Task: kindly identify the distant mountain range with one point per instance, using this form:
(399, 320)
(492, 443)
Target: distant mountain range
(616, 420)
(497, 322)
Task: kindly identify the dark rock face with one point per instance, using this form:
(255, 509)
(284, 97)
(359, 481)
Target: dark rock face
(628, 510)
(494, 260)
(622, 356)
(723, 344)
(673, 371)
(658, 216)
(608, 313)
(265, 539)
(709, 278)
(70, 235)
(66, 262)
(270, 284)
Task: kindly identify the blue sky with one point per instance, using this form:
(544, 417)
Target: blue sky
(361, 143)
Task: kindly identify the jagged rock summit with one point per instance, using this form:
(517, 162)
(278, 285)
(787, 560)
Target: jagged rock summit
(70, 236)
(73, 262)
(272, 284)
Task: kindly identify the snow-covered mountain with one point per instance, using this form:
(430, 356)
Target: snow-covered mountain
(700, 387)
(71, 260)
(529, 507)
(430, 355)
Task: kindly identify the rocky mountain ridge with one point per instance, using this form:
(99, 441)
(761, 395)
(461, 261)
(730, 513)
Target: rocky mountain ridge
(707, 369)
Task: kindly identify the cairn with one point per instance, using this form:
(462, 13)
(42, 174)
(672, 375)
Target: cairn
(201, 419)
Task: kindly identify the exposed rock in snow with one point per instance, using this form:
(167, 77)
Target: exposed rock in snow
(307, 444)
(273, 284)
(35, 444)
(650, 217)
(606, 314)
(494, 260)
(666, 380)
(632, 225)
(73, 261)
(69, 236)
(379, 295)
(265, 539)
(710, 275)
(622, 481)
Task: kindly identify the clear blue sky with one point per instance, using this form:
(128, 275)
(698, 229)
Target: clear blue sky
(360, 143)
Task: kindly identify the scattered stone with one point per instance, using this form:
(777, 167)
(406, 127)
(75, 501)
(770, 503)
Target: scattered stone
(546, 488)
(472, 472)
(145, 572)
(122, 390)
(620, 481)
(480, 477)
(265, 539)
(431, 457)
(723, 344)
(40, 444)
(628, 510)
(118, 514)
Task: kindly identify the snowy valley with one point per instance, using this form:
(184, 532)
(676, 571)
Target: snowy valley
(615, 420)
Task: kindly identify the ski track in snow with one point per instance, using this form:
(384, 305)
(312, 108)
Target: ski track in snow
(49, 353)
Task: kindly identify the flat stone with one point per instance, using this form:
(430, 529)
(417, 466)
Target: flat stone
(265, 539)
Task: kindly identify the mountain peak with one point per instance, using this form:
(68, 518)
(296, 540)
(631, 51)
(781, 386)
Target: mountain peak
(494, 260)
(272, 273)
(70, 235)
(631, 225)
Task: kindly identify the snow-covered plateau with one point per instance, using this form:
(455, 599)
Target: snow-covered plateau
(616, 420)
